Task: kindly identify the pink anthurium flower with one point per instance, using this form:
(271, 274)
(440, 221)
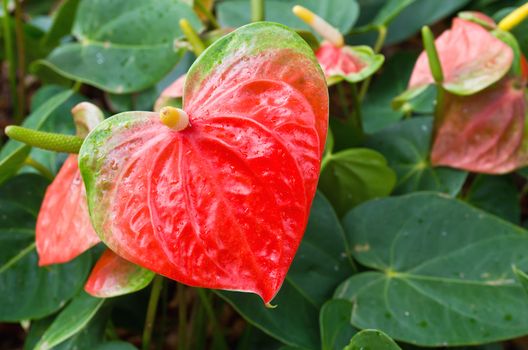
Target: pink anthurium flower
(172, 94)
(217, 195)
(479, 122)
(338, 61)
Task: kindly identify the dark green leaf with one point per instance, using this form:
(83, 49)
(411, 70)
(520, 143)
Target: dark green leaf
(72, 319)
(354, 176)
(497, 195)
(138, 101)
(340, 13)
(376, 109)
(125, 45)
(372, 339)
(27, 291)
(334, 321)
(444, 271)
(322, 258)
(116, 345)
(406, 147)
(14, 153)
(62, 22)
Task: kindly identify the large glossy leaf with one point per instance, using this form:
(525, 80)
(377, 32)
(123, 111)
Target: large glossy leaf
(322, 257)
(113, 276)
(334, 320)
(72, 319)
(340, 13)
(354, 176)
(451, 262)
(372, 339)
(406, 148)
(471, 58)
(116, 345)
(497, 195)
(258, 109)
(27, 291)
(14, 153)
(124, 45)
(484, 132)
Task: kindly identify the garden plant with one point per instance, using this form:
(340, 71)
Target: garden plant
(264, 174)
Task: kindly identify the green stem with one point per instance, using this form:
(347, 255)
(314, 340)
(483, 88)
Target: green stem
(45, 140)
(192, 37)
(217, 331)
(207, 14)
(257, 11)
(355, 118)
(39, 167)
(432, 55)
(77, 86)
(382, 35)
(21, 55)
(182, 317)
(8, 47)
(151, 311)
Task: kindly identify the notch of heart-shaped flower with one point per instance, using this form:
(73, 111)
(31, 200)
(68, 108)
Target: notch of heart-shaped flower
(339, 61)
(223, 202)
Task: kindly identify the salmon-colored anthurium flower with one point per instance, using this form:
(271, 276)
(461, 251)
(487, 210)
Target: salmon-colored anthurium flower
(172, 95)
(481, 113)
(217, 194)
(339, 61)
(64, 230)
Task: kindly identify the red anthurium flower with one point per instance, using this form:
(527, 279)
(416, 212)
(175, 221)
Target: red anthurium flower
(217, 195)
(471, 58)
(63, 228)
(113, 276)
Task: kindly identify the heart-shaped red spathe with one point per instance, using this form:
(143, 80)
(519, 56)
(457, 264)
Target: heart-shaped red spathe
(63, 228)
(224, 203)
(471, 58)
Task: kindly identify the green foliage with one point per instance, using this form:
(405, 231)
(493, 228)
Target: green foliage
(454, 271)
(28, 291)
(432, 257)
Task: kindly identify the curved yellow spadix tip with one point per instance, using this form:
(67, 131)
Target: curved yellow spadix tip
(304, 14)
(174, 118)
(513, 19)
(321, 26)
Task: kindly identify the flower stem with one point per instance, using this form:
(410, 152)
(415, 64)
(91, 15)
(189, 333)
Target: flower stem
(8, 46)
(514, 18)
(432, 55)
(257, 10)
(151, 311)
(39, 167)
(182, 317)
(21, 55)
(45, 140)
(192, 37)
(207, 14)
(217, 331)
(382, 35)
